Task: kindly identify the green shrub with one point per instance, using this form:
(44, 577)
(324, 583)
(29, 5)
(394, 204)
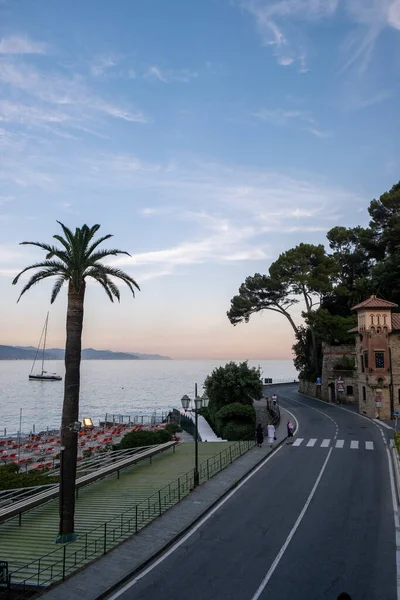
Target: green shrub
(233, 383)
(240, 414)
(234, 430)
(173, 428)
(136, 439)
(12, 478)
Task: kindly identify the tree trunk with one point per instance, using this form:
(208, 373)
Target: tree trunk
(69, 438)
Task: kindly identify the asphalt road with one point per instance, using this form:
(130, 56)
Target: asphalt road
(313, 522)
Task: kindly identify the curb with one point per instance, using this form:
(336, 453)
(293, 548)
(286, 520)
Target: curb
(396, 467)
(174, 539)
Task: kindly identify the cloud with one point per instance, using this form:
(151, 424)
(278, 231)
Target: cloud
(170, 75)
(101, 65)
(58, 98)
(280, 116)
(319, 133)
(17, 44)
(277, 23)
(285, 61)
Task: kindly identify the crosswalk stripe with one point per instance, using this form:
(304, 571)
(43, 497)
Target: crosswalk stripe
(298, 441)
(353, 445)
(311, 443)
(369, 445)
(325, 443)
(339, 444)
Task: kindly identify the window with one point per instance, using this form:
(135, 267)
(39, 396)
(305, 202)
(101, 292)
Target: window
(362, 364)
(349, 390)
(372, 319)
(379, 319)
(364, 394)
(379, 360)
(384, 319)
(399, 395)
(366, 360)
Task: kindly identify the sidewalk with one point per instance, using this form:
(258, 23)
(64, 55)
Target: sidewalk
(100, 578)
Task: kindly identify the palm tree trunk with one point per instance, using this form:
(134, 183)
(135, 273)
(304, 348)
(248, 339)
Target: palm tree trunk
(69, 437)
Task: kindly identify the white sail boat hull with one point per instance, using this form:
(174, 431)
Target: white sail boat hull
(46, 377)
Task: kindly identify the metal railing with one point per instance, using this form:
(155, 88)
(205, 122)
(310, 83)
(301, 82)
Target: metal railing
(18, 508)
(55, 566)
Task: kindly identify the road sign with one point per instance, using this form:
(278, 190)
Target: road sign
(378, 404)
(319, 381)
(396, 414)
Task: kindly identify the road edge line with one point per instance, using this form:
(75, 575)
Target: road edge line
(185, 533)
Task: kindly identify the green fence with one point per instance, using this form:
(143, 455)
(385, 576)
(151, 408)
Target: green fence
(64, 560)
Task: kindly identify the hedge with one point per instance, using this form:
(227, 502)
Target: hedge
(136, 439)
(234, 430)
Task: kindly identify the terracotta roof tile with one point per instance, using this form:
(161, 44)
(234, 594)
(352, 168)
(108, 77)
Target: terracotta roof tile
(374, 302)
(396, 321)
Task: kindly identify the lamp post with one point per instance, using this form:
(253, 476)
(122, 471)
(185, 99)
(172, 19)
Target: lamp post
(199, 402)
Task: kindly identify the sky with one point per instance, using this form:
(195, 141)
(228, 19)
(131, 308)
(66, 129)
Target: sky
(207, 136)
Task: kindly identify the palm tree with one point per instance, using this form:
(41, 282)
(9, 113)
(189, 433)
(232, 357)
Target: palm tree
(78, 259)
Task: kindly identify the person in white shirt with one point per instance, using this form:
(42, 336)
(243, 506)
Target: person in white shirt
(271, 434)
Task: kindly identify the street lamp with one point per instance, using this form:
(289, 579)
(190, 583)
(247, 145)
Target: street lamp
(199, 402)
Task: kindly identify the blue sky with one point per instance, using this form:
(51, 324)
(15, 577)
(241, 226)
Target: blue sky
(207, 136)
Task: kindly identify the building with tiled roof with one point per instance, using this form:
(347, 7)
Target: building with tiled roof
(378, 357)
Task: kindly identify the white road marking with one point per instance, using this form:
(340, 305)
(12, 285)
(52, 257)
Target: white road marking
(383, 424)
(353, 445)
(396, 520)
(282, 551)
(193, 530)
(311, 443)
(369, 445)
(325, 443)
(339, 444)
(298, 441)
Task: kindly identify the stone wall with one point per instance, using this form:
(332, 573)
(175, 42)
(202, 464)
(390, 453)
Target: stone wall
(309, 388)
(331, 355)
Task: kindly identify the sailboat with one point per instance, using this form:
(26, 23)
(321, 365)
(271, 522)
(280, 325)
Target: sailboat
(44, 375)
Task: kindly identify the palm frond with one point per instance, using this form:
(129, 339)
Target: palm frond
(113, 272)
(67, 232)
(51, 250)
(105, 287)
(45, 264)
(96, 256)
(63, 242)
(57, 287)
(97, 243)
(36, 278)
(102, 278)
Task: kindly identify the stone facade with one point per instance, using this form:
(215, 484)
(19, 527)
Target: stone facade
(378, 357)
(374, 385)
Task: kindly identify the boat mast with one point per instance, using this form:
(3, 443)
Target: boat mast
(38, 348)
(44, 343)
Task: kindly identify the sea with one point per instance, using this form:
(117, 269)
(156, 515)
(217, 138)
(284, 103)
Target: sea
(109, 387)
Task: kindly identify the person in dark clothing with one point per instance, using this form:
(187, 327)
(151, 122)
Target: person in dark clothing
(344, 596)
(259, 435)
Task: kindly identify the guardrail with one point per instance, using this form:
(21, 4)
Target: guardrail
(57, 565)
(18, 508)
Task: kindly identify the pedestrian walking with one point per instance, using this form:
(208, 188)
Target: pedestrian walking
(274, 399)
(271, 434)
(267, 402)
(290, 429)
(259, 435)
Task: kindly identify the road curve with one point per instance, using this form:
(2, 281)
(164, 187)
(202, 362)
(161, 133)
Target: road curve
(316, 520)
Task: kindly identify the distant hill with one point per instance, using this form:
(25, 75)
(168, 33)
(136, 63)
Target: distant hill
(29, 352)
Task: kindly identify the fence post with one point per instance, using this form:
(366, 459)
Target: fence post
(240, 449)
(38, 573)
(179, 489)
(230, 454)
(208, 469)
(136, 516)
(64, 552)
(159, 501)
(105, 538)
(85, 546)
(122, 522)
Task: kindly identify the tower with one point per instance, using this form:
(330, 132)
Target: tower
(374, 360)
